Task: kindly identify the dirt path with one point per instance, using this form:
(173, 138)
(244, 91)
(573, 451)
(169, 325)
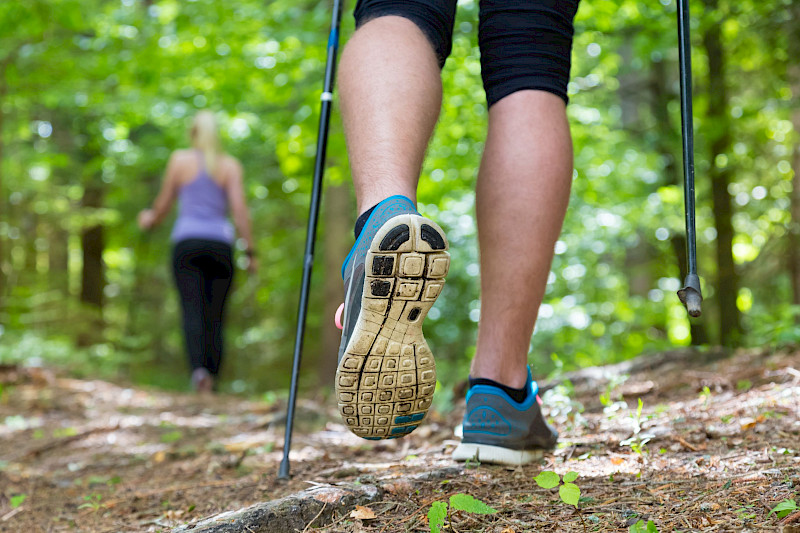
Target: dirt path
(718, 448)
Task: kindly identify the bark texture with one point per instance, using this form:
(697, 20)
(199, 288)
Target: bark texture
(314, 507)
(793, 75)
(719, 128)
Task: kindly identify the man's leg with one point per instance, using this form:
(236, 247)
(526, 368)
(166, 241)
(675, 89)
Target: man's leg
(391, 92)
(522, 195)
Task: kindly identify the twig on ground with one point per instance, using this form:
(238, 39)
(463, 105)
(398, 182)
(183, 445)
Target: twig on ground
(57, 443)
(13, 512)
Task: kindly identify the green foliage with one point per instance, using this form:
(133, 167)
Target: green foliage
(637, 442)
(437, 514)
(641, 527)
(784, 508)
(569, 492)
(131, 74)
(92, 501)
(17, 499)
(547, 479)
(465, 502)
(171, 436)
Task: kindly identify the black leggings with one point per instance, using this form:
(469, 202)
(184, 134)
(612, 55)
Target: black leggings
(203, 272)
(525, 44)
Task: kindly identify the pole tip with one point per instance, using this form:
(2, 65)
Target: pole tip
(691, 296)
(692, 303)
(283, 471)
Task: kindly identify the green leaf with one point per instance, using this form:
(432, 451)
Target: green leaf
(547, 479)
(570, 476)
(465, 502)
(17, 500)
(570, 493)
(783, 508)
(641, 527)
(638, 527)
(172, 436)
(436, 515)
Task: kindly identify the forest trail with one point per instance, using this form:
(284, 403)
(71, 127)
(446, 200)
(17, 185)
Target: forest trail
(718, 447)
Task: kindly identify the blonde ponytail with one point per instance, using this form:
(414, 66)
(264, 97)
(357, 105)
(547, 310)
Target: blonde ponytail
(206, 139)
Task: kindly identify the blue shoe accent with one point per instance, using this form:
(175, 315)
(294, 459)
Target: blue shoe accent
(394, 205)
(533, 391)
(402, 430)
(402, 420)
(417, 417)
(487, 420)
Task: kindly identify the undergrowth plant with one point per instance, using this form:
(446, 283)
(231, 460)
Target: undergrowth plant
(569, 492)
(440, 512)
(784, 508)
(638, 441)
(642, 527)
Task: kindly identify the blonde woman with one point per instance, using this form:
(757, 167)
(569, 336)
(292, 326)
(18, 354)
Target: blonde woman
(208, 184)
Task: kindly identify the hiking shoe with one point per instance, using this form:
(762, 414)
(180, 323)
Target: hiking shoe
(499, 430)
(392, 276)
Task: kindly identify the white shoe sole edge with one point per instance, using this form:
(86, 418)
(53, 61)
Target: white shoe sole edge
(484, 453)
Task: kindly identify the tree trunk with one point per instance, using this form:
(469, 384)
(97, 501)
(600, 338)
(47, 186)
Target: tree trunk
(30, 225)
(339, 216)
(793, 75)
(58, 259)
(3, 199)
(92, 243)
(720, 142)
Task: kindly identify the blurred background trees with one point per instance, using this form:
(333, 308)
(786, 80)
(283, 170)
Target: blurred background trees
(95, 94)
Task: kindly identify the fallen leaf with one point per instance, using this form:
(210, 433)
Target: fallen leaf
(509, 530)
(159, 457)
(617, 460)
(748, 423)
(362, 513)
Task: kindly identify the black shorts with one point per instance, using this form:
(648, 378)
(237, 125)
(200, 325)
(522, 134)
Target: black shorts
(525, 44)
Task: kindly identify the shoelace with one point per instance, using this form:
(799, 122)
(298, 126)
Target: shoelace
(337, 319)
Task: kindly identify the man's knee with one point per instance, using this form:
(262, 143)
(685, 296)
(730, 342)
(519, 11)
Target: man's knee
(434, 17)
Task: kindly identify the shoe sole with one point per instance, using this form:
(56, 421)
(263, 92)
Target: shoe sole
(386, 376)
(468, 451)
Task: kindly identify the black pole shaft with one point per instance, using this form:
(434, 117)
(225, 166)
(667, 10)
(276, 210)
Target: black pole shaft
(690, 294)
(685, 59)
(311, 231)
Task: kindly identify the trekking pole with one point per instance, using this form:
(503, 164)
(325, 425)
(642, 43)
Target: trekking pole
(690, 294)
(311, 233)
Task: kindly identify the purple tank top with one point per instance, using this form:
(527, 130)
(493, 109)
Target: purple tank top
(202, 210)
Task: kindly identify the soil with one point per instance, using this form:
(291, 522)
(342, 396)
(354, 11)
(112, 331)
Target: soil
(717, 448)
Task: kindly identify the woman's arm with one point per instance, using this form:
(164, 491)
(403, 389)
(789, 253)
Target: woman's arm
(149, 218)
(241, 217)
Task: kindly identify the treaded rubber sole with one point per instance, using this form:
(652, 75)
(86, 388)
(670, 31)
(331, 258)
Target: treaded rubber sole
(386, 376)
(495, 454)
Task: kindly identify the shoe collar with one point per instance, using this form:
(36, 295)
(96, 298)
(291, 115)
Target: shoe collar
(533, 390)
(366, 224)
